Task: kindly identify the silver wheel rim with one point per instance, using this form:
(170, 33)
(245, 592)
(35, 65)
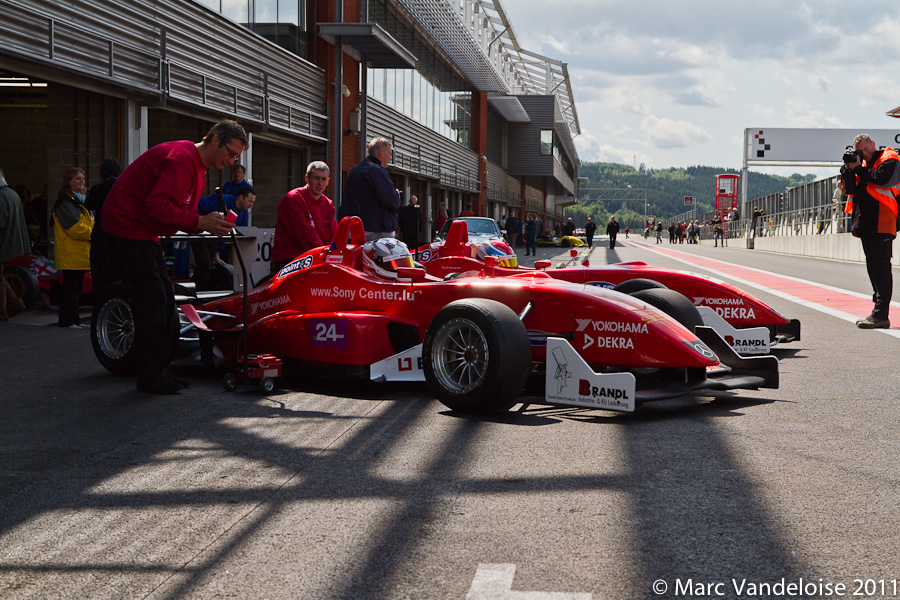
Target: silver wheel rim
(115, 328)
(460, 356)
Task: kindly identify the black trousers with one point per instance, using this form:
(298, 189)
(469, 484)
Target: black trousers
(142, 269)
(72, 282)
(612, 240)
(204, 255)
(877, 249)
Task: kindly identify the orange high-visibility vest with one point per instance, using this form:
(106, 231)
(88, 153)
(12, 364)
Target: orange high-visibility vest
(886, 195)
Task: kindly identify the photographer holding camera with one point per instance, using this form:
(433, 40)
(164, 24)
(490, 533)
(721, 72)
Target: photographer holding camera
(871, 179)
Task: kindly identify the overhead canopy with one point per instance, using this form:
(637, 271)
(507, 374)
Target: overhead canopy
(894, 113)
(510, 107)
(367, 42)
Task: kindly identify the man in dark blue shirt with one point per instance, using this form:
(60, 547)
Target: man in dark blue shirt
(370, 194)
(204, 252)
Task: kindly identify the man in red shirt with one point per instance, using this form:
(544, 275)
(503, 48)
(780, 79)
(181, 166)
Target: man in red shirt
(305, 218)
(155, 196)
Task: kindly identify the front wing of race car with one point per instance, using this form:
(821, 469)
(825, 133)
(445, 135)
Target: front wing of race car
(570, 381)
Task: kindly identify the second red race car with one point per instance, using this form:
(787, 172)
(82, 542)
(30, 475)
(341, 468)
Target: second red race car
(362, 309)
(747, 323)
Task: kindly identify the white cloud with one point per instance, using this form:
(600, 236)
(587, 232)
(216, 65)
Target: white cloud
(682, 82)
(668, 133)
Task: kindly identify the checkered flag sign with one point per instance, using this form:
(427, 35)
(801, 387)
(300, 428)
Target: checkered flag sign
(759, 144)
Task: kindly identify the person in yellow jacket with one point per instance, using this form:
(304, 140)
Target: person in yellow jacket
(72, 225)
(872, 180)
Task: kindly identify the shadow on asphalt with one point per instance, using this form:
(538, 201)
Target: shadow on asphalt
(694, 506)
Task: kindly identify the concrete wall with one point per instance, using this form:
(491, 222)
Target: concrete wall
(838, 246)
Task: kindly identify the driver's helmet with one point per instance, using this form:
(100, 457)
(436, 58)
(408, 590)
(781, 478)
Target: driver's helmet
(384, 256)
(506, 256)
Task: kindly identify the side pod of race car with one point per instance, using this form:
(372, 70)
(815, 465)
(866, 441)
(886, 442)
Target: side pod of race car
(748, 324)
(362, 309)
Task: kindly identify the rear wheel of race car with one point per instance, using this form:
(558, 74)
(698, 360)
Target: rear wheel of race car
(23, 283)
(476, 356)
(112, 331)
(673, 304)
(636, 285)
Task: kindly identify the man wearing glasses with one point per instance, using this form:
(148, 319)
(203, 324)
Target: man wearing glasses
(305, 218)
(155, 196)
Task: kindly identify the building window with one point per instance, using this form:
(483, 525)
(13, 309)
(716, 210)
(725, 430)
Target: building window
(495, 138)
(546, 142)
(449, 113)
(280, 21)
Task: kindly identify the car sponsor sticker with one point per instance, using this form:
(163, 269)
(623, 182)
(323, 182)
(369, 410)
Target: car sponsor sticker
(296, 265)
(537, 337)
(403, 366)
(602, 284)
(571, 381)
(364, 293)
(329, 333)
(269, 303)
(701, 349)
(609, 326)
(749, 340)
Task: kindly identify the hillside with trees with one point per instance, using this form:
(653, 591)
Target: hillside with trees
(665, 191)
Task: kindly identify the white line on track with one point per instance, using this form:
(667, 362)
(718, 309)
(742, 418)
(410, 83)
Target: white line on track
(494, 582)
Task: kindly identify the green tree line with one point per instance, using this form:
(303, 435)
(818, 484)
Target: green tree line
(665, 191)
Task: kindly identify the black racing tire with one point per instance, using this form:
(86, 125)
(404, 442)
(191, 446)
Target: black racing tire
(112, 331)
(476, 356)
(221, 277)
(636, 285)
(24, 284)
(673, 304)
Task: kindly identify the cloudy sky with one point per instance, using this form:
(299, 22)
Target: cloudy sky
(674, 83)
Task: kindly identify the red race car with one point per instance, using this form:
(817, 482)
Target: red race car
(362, 309)
(33, 277)
(747, 323)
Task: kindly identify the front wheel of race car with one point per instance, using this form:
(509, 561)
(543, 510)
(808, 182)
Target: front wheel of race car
(673, 304)
(477, 356)
(636, 285)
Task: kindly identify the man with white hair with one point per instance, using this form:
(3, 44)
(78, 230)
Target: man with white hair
(370, 194)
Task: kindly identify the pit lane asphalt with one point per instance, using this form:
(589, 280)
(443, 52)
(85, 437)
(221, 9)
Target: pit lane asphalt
(344, 490)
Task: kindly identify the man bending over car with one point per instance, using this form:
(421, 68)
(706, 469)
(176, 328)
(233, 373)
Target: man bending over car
(155, 196)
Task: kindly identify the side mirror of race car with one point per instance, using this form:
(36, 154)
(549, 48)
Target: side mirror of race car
(414, 273)
(490, 261)
(573, 252)
(542, 264)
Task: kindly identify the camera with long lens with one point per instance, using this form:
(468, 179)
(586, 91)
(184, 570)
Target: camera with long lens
(851, 154)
